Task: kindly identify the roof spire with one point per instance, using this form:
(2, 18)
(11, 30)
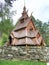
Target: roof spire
(24, 9)
(24, 13)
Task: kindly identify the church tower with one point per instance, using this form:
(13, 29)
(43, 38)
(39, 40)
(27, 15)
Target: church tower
(25, 32)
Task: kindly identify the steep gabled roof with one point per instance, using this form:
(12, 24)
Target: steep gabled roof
(23, 34)
(22, 25)
(23, 20)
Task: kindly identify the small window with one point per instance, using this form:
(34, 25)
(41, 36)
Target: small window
(31, 29)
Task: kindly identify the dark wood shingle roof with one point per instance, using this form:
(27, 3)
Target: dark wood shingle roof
(23, 34)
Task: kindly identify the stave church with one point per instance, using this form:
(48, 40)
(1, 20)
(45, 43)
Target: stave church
(25, 32)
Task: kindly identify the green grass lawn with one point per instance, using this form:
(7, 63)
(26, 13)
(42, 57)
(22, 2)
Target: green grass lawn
(8, 62)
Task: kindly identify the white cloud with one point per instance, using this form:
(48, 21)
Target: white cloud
(1, 1)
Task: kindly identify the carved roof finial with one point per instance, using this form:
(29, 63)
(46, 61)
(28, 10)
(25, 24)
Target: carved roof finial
(24, 9)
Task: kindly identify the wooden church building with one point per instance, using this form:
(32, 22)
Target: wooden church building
(25, 32)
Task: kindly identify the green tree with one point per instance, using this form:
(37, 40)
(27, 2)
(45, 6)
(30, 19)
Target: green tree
(6, 23)
(4, 39)
(5, 29)
(6, 26)
(9, 2)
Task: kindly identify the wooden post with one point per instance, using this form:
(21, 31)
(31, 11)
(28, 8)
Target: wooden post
(26, 45)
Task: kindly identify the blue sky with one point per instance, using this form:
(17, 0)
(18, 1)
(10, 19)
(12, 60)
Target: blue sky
(40, 9)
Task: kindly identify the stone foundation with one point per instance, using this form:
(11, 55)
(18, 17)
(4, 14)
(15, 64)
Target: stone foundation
(24, 53)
